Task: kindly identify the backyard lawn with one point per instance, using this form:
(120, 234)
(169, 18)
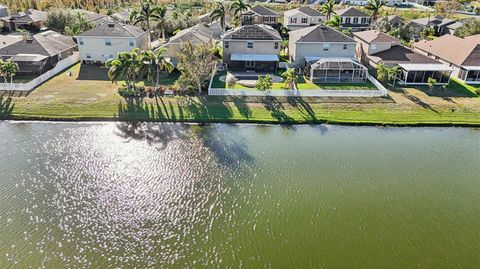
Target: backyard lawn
(89, 95)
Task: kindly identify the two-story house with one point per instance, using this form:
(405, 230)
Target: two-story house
(31, 20)
(325, 54)
(252, 47)
(375, 48)
(353, 18)
(301, 17)
(259, 15)
(105, 41)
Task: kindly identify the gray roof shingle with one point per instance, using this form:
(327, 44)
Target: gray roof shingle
(114, 29)
(47, 43)
(351, 12)
(321, 33)
(309, 11)
(261, 10)
(253, 32)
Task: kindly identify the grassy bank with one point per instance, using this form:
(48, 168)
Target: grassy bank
(88, 95)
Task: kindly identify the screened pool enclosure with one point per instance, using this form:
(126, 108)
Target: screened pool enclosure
(419, 73)
(335, 70)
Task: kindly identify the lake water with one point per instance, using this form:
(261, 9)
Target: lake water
(106, 195)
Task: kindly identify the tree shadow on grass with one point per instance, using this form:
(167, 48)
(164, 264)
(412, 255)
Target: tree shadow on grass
(276, 109)
(419, 102)
(303, 107)
(242, 106)
(6, 107)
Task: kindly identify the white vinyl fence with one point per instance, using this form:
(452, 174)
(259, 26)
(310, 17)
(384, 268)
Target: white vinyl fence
(26, 87)
(380, 92)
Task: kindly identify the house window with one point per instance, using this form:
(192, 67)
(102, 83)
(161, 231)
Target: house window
(80, 41)
(326, 46)
(273, 19)
(293, 20)
(89, 56)
(363, 20)
(108, 42)
(304, 20)
(347, 20)
(276, 45)
(131, 42)
(249, 45)
(355, 20)
(345, 46)
(227, 44)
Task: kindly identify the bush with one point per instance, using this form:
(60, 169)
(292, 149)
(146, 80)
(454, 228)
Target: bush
(231, 81)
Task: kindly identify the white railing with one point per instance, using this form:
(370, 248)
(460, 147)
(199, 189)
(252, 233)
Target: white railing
(304, 93)
(61, 65)
(380, 92)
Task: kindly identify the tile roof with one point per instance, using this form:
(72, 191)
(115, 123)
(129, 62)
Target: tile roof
(261, 10)
(122, 15)
(435, 21)
(90, 16)
(351, 12)
(400, 54)
(375, 36)
(114, 29)
(7, 40)
(320, 33)
(460, 51)
(47, 43)
(253, 32)
(30, 15)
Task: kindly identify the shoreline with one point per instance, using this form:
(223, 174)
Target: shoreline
(253, 122)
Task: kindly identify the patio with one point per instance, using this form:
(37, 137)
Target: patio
(335, 70)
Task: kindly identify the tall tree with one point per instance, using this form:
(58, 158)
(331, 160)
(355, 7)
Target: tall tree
(8, 69)
(327, 9)
(196, 64)
(219, 13)
(238, 7)
(374, 6)
(153, 62)
(147, 13)
(334, 22)
(161, 19)
(290, 78)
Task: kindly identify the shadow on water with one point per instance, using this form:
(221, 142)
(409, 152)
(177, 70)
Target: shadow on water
(6, 107)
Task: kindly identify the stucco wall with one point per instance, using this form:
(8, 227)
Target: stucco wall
(95, 46)
(240, 46)
(335, 50)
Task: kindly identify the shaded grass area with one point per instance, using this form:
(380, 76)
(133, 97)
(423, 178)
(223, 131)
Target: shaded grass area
(306, 84)
(87, 95)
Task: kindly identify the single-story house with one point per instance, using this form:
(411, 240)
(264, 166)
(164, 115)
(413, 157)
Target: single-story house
(252, 48)
(259, 15)
(302, 17)
(105, 41)
(374, 48)
(197, 34)
(31, 19)
(39, 53)
(461, 54)
(354, 18)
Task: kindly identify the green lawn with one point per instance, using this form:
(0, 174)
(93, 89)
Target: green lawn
(88, 95)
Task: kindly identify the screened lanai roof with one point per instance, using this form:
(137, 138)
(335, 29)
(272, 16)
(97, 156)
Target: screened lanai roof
(334, 63)
(425, 67)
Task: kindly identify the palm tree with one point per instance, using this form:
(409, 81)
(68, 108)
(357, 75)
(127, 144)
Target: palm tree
(8, 69)
(148, 12)
(290, 78)
(161, 19)
(219, 13)
(125, 67)
(327, 9)
(335, 22)
(153, 62)
(374, 6)
(238, 7)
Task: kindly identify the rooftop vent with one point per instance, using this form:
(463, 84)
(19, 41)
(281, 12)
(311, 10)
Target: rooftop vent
(111, 25)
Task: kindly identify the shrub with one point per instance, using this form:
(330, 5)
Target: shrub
(231, 80)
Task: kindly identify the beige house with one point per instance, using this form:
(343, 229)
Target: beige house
(302, 17)
(461, 54)
(375, 48)
(197, 34)
(319, 41)
(252, 48)
(105, 41)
